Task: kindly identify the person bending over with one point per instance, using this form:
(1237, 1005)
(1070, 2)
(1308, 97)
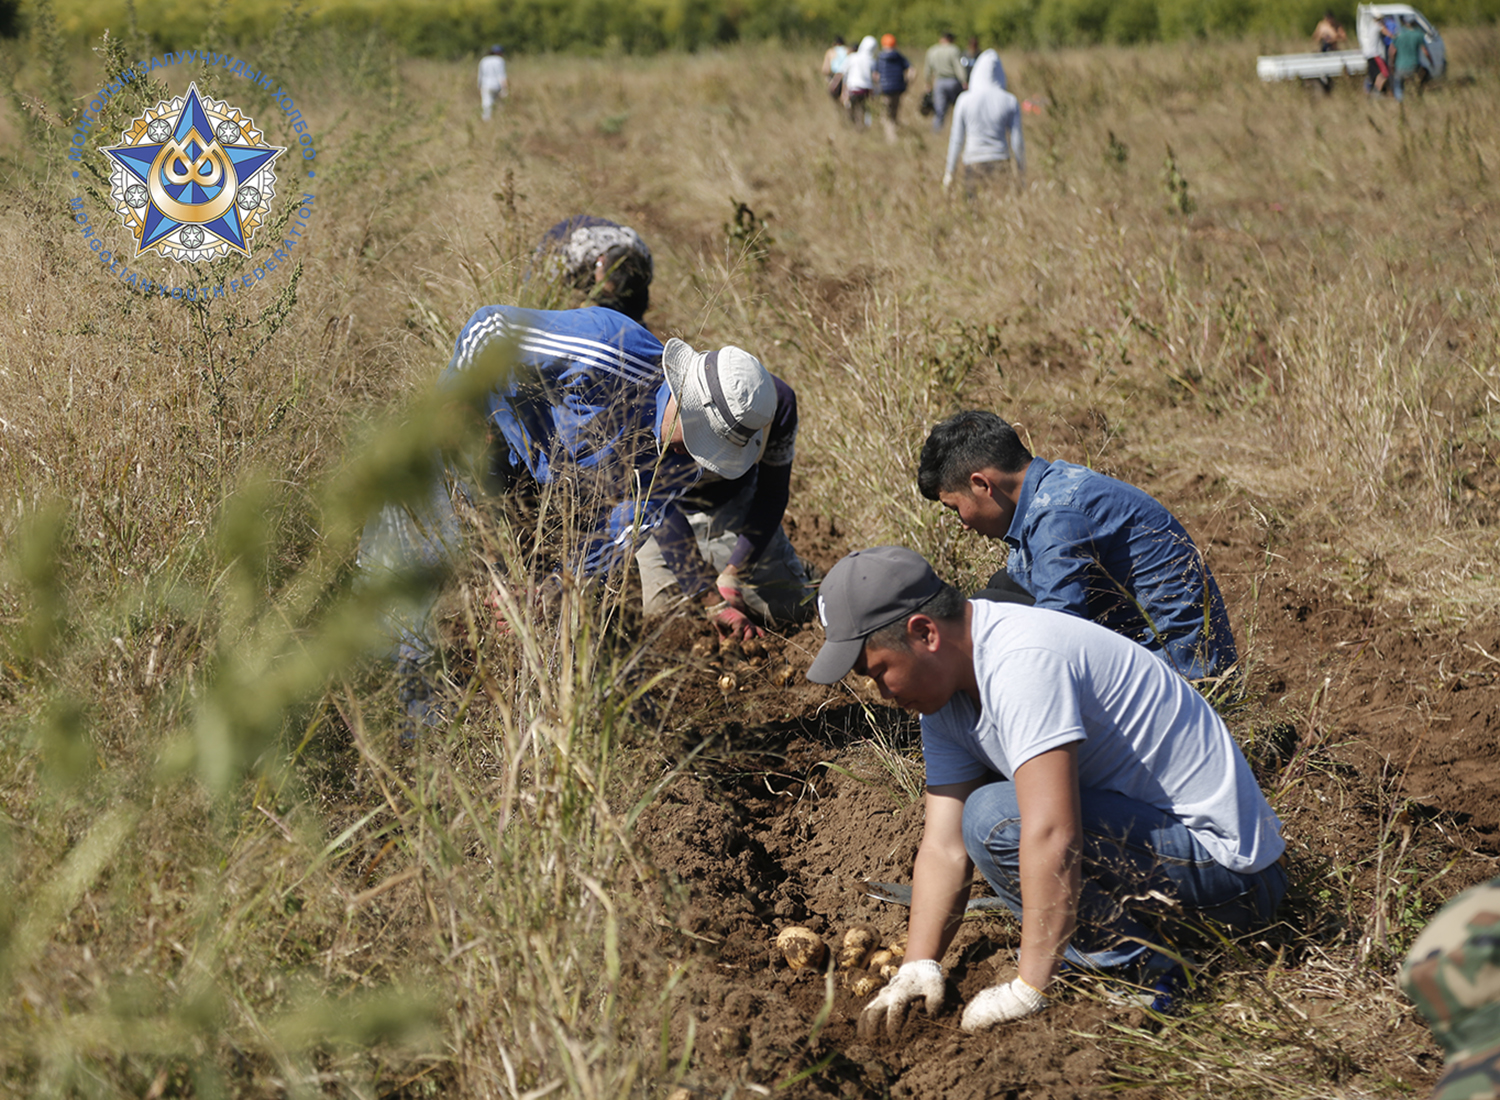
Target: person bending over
(601, 262)
(1096, 791)
(1083, 542)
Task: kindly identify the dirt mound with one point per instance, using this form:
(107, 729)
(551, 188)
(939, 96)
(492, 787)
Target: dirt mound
(796, 794)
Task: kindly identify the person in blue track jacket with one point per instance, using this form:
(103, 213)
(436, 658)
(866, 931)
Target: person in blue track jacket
(589, 403)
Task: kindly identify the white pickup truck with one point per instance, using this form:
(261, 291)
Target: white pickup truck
(1320, 66)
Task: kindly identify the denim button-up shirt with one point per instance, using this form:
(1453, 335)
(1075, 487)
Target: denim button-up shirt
(1095, 547)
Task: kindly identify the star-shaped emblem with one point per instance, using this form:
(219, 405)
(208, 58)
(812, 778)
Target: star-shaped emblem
(193, 162)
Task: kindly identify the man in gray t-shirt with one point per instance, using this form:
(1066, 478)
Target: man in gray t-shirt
(1084, 778)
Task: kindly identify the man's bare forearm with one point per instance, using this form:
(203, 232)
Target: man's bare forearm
(1050, 884)
(940, 887)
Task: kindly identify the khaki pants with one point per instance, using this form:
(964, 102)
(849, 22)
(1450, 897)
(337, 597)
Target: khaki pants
(778, 588)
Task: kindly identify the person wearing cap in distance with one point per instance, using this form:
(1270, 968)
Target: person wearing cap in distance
(492, 80)
(608, 264)
(1091, 785)
(893, 73)
(735, 517)
(1083, 542)
(1452, 974)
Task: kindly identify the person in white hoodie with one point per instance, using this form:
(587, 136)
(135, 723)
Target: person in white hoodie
(859, 81)
(986, 124)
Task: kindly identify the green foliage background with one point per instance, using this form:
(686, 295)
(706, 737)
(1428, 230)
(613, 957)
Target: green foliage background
(456, 28)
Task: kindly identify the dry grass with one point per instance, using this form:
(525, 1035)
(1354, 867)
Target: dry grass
(222, 875)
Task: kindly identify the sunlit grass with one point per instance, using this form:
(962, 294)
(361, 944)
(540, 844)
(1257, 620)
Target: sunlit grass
(221, 868)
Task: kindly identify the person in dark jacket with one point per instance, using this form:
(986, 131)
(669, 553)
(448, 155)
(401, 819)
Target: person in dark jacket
(893, 72)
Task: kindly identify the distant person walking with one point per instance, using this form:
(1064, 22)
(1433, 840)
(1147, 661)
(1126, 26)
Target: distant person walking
(945, 75)
(1409, 46)
(893, 72)
(986, 126)
(1328, 36)
(859, 82)
(1374, 41)
(835, 61)
(967, 59)
(492, 80)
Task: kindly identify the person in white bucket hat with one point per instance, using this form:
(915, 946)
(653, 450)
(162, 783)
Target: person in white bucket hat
(583, 398)
(739, 423)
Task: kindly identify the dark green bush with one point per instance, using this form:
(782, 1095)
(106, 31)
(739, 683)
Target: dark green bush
(463, 28)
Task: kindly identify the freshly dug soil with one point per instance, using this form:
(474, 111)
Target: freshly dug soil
(791, 803)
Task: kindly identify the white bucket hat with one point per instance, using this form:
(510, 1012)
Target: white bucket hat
(726, 400)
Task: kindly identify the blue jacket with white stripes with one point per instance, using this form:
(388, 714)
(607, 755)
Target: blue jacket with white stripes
(577, 397)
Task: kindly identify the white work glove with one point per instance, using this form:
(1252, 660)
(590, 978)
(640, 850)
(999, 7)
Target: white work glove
(921, 980)
(1000, 1004)
(947, 180)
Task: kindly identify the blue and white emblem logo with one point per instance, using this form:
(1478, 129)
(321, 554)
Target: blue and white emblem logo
(192, 179)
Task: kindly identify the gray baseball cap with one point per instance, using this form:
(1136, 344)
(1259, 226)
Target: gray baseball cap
(865, 591)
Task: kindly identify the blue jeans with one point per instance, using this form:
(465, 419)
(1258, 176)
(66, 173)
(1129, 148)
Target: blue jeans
(1398, 77)
(945, 90)
(1131, 852)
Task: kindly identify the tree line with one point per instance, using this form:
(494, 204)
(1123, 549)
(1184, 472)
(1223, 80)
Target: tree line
(462, 28)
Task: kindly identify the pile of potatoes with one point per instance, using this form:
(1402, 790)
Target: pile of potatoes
(864, 962)
(737, 662)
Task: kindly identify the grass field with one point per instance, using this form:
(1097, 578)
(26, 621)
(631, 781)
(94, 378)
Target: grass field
(224, 875)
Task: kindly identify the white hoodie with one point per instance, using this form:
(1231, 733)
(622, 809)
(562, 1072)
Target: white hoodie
(860, 75)
(986, 119)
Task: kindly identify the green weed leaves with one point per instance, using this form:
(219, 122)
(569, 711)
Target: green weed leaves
(35, 569)
(270, 616)
(395, 1015)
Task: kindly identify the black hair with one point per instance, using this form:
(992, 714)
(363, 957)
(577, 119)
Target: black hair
(838, 40)
(626, 285)
(964, 444)
(946, 606)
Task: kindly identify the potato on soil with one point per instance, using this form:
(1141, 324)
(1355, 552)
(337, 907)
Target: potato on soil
(862, 983)
(881, 961)
(896, 945)
(858, 943)
(801, 947)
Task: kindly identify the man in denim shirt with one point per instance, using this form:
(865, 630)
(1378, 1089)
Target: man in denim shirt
(1082, 542)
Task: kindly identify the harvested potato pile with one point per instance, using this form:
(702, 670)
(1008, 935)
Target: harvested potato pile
(865, 964)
